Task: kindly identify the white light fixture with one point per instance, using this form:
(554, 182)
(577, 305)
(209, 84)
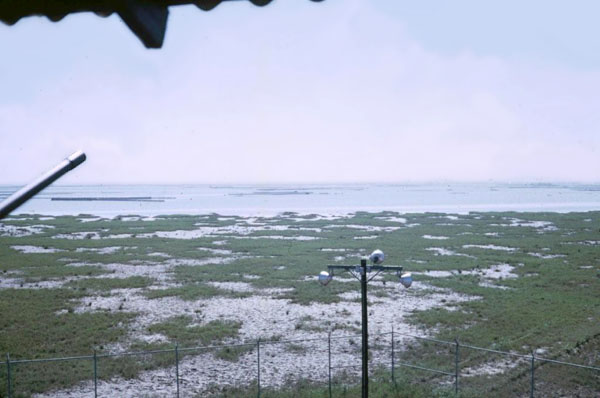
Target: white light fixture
(325, 277)
(406, 279)
(377, 257)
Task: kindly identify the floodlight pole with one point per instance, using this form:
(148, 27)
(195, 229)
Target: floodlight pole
(363, 270)
(365, 328)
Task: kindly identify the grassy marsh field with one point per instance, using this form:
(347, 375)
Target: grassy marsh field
(516, 282)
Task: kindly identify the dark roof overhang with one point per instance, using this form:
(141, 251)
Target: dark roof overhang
(147, 19)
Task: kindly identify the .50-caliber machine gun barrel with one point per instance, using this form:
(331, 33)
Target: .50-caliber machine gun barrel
(24, 194)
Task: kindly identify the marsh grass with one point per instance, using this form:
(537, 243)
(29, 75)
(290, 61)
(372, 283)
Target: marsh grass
(554, 303)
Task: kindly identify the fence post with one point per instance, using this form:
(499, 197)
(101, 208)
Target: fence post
(8, 375)
(532, 374)
(177, 367)
(95, 375)
(329, 360)
(393, 377)
(456, 358)
(258, 362)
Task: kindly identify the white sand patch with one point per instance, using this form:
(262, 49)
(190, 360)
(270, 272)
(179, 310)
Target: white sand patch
(127, 218)
(159, 254)
(401, 220)
(333, 250)
(20, 283)
(493, 286)
(490, 247)
(233, 286)
(94, 235)
(220, 242)
(498, 271)
(451, 217)
(592, 242)
(494, 234)
(251, 277)
(432, 237)
(541, 225)
(369, 228)
(162, 272)
(78, 235)
(205, 261)
(90, 219)
(366, 237)
(279, 237)
(435, 274)
(35, 249)
(118, 236)
(236, 229)
(339, 258)
(547, 256)
(223, 252)
(153, 338)
(440, 251)
(586, 267)
(336, 278)
(21, 231)
(314, 217)
(493, 368)
(101, 250)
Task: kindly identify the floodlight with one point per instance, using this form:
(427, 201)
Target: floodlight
(325, 277)
(377, 257)
(406, 279)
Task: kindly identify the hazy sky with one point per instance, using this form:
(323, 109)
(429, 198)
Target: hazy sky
(337, 91)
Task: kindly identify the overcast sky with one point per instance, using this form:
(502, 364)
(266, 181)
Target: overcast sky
(337, 91)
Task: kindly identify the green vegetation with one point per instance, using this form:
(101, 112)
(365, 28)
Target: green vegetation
(380, 386)
(553, 303)
(181, 330)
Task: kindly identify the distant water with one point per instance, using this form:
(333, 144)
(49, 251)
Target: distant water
(112, 200)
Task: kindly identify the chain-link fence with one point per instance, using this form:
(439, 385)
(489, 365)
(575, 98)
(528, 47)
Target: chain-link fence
(330, 363)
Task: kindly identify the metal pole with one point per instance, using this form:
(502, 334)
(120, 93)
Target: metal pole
(456, 357)
(258, 361)
(365, 328)
(8, 374)
(25, 193)
(95, 375)
(329, 358)
(393, 378)
(177, 367)
(532, 374)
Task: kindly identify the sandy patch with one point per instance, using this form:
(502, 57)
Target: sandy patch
(21, 231)
(493, 368)
(35, 249)
(435, 237)
(490, 247)
(401, 220)
(499, 271)
(102, 250)
(440, 251)
(369, 228)
(546, 256)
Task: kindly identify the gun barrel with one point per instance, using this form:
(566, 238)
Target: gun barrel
(24, 194)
